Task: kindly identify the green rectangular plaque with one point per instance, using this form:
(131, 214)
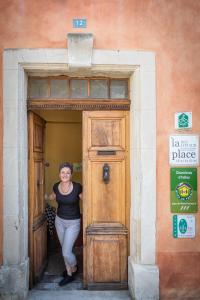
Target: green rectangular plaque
(183, 226)
(183, 194)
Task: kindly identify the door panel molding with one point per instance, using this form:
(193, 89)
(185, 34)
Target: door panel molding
(108, 207)
(104, 210)
(39, 251)
(104, 240)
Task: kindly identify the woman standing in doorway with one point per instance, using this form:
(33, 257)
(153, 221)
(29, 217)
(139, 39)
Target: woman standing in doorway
(67, 194)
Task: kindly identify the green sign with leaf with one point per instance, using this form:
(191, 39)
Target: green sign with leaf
(183, 121)
(183, 183)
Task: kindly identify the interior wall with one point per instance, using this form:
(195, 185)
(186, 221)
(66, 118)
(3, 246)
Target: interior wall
(63, 142)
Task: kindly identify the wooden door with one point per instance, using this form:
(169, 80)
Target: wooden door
(105, 203)
(37, 220)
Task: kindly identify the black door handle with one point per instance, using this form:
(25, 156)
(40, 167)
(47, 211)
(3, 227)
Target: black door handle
(106, 173)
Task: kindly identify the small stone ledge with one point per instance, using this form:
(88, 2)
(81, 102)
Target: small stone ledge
(80, 47)
(14, 281)
(143, 281)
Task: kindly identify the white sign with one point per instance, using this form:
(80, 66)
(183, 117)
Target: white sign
(184, 150)
(184, 226)
(183, 120)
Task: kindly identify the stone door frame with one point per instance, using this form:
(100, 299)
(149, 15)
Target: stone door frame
(139, 66)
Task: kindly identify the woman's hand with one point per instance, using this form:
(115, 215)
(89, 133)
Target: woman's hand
(52, 196)
(81, 196)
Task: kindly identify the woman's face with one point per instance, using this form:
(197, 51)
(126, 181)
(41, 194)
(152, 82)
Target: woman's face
(65, 174)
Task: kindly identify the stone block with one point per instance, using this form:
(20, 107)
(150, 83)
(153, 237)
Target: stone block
(147, 90)
(11, 58)
(14, 282)
(10, 163)
(10, 87)
(10, 116)
(143, 281)
(148, 129)
(10, 207)
(57, 56)
(11, 240)
(80, 49)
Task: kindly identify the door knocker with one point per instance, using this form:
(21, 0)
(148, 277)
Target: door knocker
(106, 173)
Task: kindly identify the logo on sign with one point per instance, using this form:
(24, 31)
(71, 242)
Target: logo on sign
(182, 226)
(183, 191)
(184, 150)
(183, 121)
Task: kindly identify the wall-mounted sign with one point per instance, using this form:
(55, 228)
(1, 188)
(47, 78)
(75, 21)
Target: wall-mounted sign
(184, 150)
(183, 120)
(183, 226)
(77, 167)
(183, 186)
(79, 23)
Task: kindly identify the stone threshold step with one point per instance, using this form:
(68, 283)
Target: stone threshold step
(78, 295)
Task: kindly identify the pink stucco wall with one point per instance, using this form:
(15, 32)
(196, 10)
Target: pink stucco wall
(169, 28)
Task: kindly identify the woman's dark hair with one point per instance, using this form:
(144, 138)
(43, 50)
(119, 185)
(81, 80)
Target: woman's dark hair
(66, 165)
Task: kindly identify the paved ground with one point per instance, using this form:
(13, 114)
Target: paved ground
(76, 295)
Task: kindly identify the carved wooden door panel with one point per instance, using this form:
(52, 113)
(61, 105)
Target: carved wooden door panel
(106, 192)
(37, 221)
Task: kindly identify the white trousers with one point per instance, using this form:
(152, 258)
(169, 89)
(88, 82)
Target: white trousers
(67, 231)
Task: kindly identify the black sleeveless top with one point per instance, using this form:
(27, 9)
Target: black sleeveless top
(68, 205)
